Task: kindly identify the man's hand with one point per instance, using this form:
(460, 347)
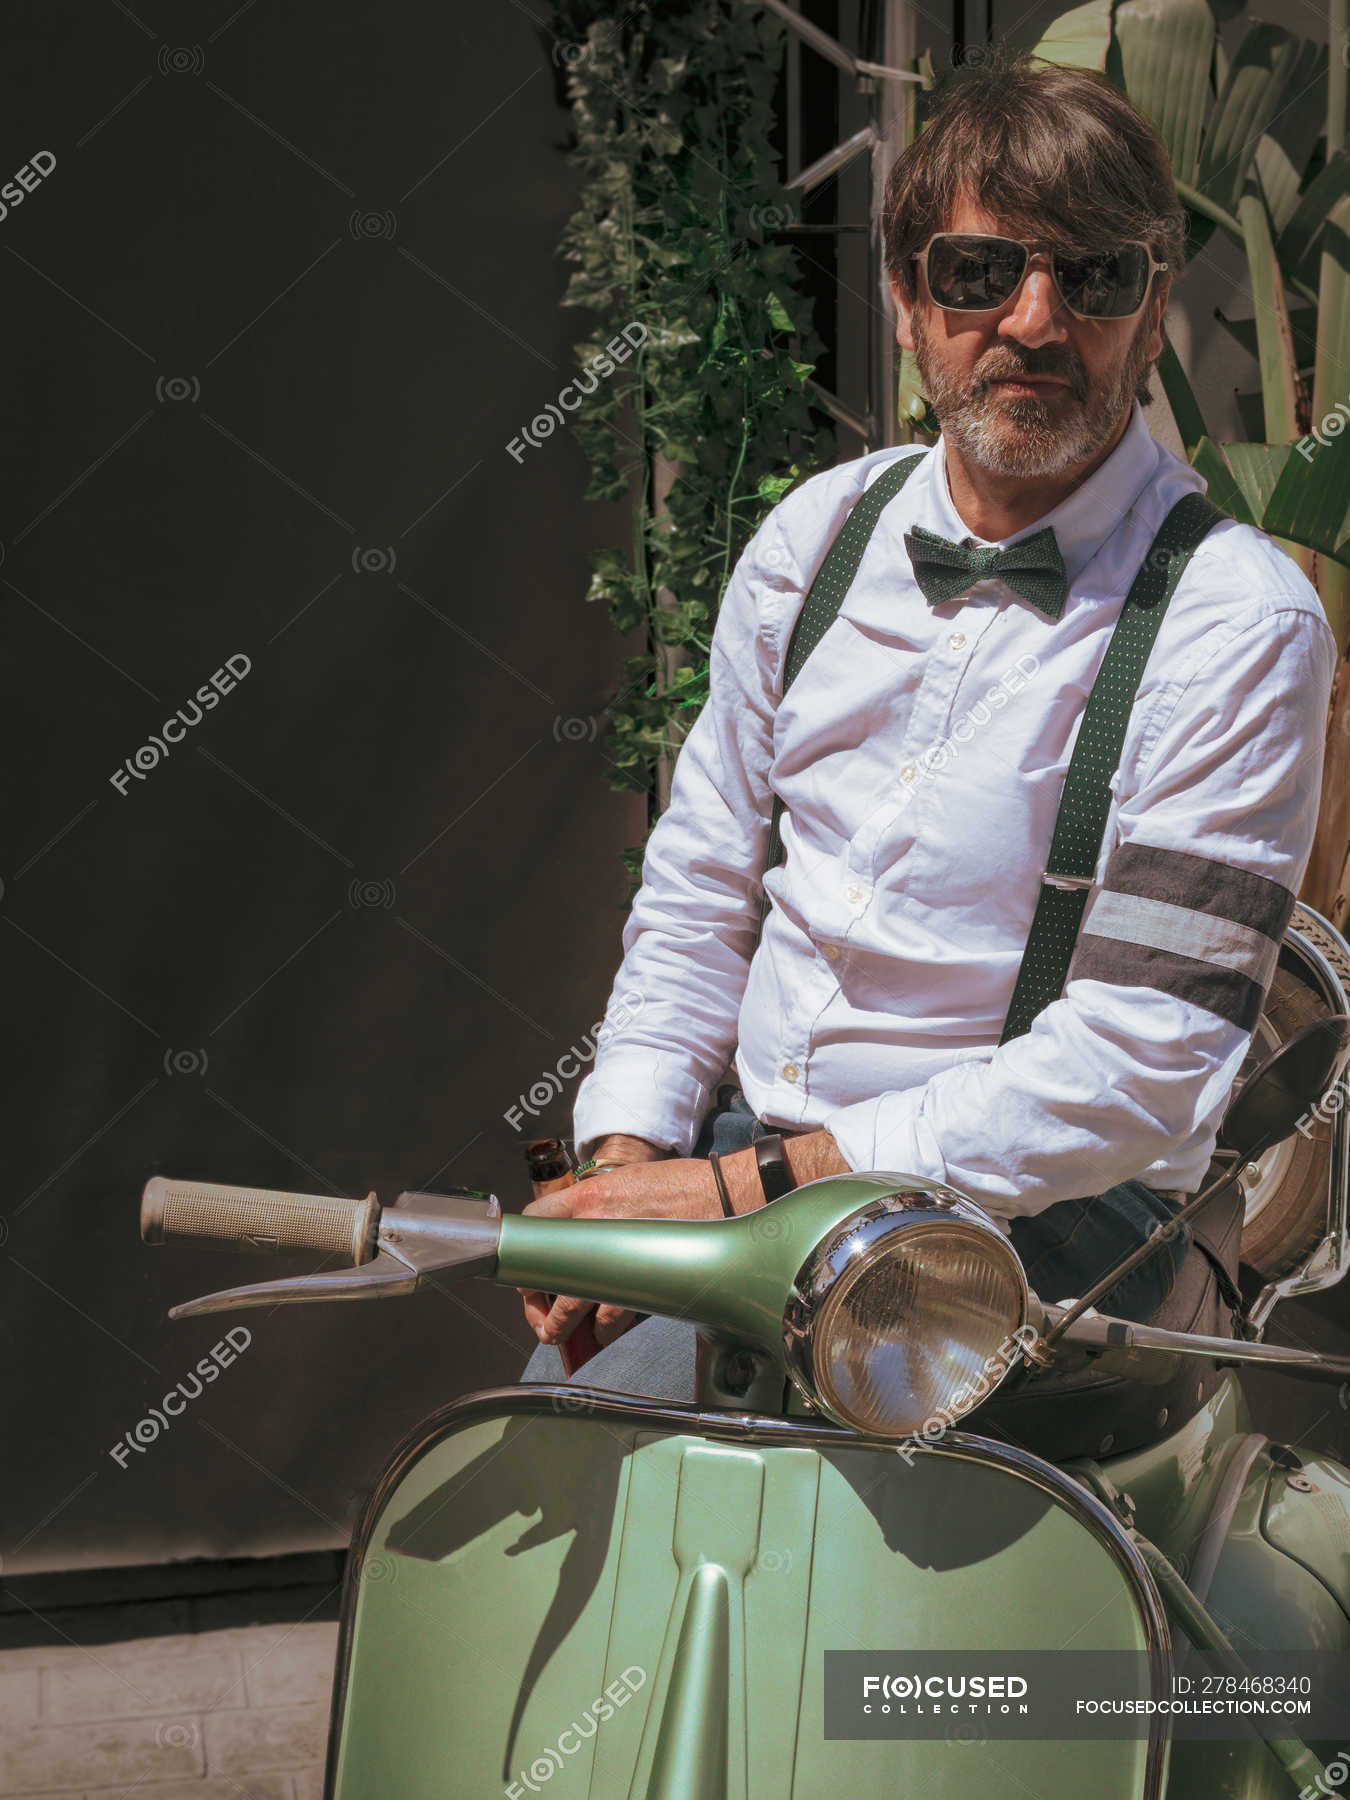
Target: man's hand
(610, 1322)
(674, 1188)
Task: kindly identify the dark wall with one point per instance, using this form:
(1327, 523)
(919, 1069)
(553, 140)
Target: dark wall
(288, 292)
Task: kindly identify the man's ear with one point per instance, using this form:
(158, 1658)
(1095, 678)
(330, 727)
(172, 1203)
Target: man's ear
(1158, 303)
(904, 315)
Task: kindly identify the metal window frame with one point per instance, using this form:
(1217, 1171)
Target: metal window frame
(877, 72)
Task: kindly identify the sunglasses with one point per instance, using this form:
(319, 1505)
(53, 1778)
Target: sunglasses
(970, 272)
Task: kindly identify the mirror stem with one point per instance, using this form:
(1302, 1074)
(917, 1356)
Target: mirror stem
(1160, 1236)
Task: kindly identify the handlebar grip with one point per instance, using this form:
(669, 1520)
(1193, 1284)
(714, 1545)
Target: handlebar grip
(258, 1218)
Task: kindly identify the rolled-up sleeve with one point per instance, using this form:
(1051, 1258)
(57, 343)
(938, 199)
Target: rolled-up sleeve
(670, 1024)
(1176, 952)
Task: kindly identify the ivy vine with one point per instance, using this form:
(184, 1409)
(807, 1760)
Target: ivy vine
(677, 234)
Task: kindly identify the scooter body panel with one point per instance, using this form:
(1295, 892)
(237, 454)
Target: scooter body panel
(1281, 1580)
(591, 1596)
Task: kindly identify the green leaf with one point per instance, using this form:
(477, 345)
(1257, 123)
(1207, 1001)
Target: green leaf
(1270, 310)
(1080, 39)
(1251, 92)
(1291, 136)
(1311, 501)
(1297, 242)
(773, 487)
(778, 313)
(1180, 397)
(1223, 486)
(1302, 327)
(1257, 469)
(1167, 51)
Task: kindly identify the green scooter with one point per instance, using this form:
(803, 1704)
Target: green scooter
(810, 1583)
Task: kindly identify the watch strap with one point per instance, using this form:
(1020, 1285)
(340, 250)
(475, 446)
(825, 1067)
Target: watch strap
(774, 1175)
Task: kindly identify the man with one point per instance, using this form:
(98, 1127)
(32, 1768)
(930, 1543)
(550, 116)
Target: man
(921, 754)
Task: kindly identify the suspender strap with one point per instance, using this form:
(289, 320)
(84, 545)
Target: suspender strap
(1085, 803)
(826, 595)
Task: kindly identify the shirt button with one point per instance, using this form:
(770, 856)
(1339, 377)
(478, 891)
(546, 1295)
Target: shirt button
(831, 953)
(957, 640)
(791, 1071)
(853, 893)
(909, 773)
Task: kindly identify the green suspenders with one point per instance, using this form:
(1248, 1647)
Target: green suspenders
(1086, 799)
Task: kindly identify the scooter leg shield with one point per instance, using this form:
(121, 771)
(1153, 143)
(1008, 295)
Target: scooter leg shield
(574, 1593)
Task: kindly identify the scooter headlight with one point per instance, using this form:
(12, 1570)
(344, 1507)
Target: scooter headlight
(906, 1315)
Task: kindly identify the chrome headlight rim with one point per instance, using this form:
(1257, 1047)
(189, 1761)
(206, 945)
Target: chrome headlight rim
(854, 1237)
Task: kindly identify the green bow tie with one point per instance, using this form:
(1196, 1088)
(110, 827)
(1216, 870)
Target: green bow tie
(1032, 567)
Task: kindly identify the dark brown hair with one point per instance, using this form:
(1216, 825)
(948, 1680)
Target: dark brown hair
(1052, 152)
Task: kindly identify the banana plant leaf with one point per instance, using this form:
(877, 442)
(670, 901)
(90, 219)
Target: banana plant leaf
(1311, 501)
(1080, 39)
(1270, 310)
(1250, 95)
(1167, 52)
(1299, 245)
(1222, 485)
(1243, 477)
(1283, 154)
(1302, 328)
(1190, 421)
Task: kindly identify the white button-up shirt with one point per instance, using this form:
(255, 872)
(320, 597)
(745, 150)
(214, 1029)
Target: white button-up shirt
(921, 753)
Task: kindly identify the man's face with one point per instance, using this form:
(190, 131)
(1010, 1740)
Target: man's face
(1080, 375)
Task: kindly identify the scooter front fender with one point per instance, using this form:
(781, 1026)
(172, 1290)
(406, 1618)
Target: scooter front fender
(566, 1591)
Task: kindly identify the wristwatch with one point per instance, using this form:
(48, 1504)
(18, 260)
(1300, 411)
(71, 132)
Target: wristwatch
(774, 1175)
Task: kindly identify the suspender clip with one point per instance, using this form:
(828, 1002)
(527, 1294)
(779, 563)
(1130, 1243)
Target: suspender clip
(1066, 881)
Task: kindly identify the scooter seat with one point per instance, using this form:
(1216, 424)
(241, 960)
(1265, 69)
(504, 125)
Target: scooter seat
(1075, 1408)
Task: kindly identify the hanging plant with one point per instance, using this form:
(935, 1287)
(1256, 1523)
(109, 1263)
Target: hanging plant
(707, 425)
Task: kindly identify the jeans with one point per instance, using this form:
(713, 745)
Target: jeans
(1064, 1250)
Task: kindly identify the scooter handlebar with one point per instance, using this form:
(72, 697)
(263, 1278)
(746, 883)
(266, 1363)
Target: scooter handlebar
(268, 1219)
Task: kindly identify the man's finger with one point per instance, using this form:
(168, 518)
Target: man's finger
(564, 1317)
(537, 1308)
(557, 1205)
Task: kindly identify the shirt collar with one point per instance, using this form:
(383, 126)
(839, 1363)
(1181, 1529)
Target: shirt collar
(1084, 519)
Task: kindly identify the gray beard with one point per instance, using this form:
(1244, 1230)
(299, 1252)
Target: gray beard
(1029, 436)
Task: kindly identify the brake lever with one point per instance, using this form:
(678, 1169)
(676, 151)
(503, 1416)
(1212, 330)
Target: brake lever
(418, 1235)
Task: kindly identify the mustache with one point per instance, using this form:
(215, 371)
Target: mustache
(985, 377)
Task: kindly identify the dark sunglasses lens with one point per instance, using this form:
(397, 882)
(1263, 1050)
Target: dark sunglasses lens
(973, 274)
(1104, 284)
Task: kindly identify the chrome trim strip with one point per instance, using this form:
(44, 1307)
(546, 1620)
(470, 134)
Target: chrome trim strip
(749, 1428)
(837, 1253)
